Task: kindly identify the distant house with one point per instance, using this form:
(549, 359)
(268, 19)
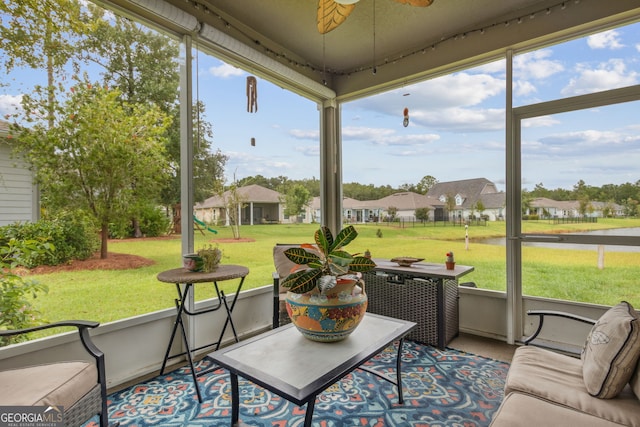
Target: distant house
(260, 205)
(465, 195)
(406, 203)
(19, 197)
(361, 211)
(549, 208)
(353, 211)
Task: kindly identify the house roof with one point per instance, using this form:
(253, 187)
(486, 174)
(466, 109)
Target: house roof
(250, 194)
(278, 39)
(471, 190)
(494, 200)
(408, 200)
(349, 203)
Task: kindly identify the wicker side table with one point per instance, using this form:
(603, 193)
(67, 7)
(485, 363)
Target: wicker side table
(427, 296)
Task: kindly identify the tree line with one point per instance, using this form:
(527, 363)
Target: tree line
(626, 195)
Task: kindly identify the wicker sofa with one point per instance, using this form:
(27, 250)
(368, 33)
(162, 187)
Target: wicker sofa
(601, 388)
(78, 386)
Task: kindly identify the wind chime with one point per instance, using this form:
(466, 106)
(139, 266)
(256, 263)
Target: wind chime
(252, 94)
(405, 113)
(252, 99)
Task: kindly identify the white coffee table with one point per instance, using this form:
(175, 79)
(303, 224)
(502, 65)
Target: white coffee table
(298, 369)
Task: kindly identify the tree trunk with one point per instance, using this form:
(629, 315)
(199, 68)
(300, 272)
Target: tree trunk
(105, 236)
(177, 220)
(136, 228)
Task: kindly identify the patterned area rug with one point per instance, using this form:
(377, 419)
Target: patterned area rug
(441, 388)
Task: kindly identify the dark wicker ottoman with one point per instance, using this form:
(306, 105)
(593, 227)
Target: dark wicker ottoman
(430, 302)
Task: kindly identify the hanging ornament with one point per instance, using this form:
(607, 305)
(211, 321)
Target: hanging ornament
(405, 122)
(252, 94)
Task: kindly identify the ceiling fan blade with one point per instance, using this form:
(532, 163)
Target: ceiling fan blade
(332, 14)
(419, 3)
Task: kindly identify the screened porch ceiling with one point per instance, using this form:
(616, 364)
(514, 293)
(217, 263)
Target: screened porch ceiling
(279, 40)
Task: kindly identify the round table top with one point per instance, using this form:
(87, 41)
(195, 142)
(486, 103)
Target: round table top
(223, 272)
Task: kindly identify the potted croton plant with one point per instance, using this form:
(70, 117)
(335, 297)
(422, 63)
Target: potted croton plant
(323, 301)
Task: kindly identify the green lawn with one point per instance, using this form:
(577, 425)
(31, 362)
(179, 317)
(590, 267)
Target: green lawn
(567, 274)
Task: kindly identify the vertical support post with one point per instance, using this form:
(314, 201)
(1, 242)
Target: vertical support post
(514, 211)
(330, 166)
(186, 144)
(186, 160)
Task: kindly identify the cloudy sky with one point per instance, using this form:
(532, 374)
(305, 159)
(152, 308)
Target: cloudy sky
(456, 128)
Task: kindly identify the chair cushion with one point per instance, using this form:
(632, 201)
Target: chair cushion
(635, 381)
(62, 384)
(558, 378)
(522, 410)
(611, 352)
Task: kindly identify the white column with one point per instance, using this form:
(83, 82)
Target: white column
(330, 166)
(186, 164)
(513, 214)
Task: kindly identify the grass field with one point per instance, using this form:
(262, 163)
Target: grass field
(566, 274)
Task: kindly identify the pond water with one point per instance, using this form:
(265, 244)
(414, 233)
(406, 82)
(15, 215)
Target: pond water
(609, 248)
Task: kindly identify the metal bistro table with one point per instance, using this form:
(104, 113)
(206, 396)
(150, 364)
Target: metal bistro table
(188, 278)
(425, 293)
(298, 369)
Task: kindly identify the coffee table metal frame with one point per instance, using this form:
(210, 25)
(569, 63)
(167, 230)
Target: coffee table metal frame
(260, 360)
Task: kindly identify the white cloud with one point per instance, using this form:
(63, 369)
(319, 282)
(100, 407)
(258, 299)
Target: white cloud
(542, 121)
(414, 139)
(461, 119)
(460, 89)
(523, 88)
(535, 65)
(365, 133)
(609, 75)
(247, 164)
(225, 70)
(313, 134)
(9, 104)
(456, 90)
(309, 150)
(605, 40)
(443, 103)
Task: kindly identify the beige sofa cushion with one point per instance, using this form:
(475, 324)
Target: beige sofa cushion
(635, 381)
(522, 410)
(558, 378)
(611, 353)
(61, 384)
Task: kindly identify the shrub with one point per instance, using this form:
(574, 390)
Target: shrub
(72, 236)
(152, 222)
(16, 292)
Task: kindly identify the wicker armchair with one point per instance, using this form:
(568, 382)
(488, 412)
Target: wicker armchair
(78, 386)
